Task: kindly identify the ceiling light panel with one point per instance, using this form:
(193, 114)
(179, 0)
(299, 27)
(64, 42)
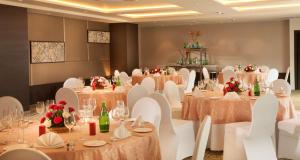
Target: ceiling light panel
(264, 7)
(108, 9)
(230, 2)
(159, 14)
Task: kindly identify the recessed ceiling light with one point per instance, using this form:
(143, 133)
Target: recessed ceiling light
(227, 2)
(247, 8)
(107, 10)
(158, 14)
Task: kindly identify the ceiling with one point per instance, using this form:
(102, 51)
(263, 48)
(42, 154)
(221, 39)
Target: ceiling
(161, 12)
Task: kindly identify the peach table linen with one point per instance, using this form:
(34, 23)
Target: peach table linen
(108, 95)
(139, 146)
(247, 77)
(159, 80)
(228, 111)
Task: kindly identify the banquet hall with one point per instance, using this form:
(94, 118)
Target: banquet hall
(150, 80)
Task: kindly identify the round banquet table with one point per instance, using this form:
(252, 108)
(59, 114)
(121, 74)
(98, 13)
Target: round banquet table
(107, 94)
(228, 111)
(247, 77)
(159, 80)
(138, 146)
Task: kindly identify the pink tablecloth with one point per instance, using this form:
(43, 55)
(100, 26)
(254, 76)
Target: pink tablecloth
(159, 80)
(138, 146)
(247, 77)
(228, 111)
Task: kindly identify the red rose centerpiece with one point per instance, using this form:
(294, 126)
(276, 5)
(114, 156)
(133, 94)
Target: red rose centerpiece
(54, 118)
(98, 82)
(232, 86)
(250, 68)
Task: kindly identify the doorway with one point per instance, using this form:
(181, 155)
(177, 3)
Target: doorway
(297, 58)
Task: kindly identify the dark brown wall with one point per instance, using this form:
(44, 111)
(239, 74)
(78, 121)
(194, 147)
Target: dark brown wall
(14, 62)
(124, 47)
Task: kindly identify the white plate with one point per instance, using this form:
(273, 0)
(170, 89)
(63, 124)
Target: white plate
(214, 97)
(142, 130)
(94, 143)
(16, 146)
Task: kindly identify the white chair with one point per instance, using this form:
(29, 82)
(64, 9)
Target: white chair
(231, 68)
(24, 154)
(172, 93)
(176, 137)
(205, 73)
(280, 85)
(73, 83)
(202, 138)
(253, 140)
(272, 76)
(288, 139)
(171, 70)
(116, 73)
(68, 95)
(134, 94)
(137, 72)
(264, 69)
(124, 78)
(149, 110)
(191, 82)
(227, 74)
(149, 84)
(185, 74)
(287, 74)
(9, 104)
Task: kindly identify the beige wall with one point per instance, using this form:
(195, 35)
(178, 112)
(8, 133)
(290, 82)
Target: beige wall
(82, 59)
(256, 42)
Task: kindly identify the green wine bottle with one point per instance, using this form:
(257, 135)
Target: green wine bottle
(256, 88)
(104, 119)
(118, 82)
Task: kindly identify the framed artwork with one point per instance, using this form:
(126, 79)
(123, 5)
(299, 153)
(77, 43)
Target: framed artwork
(47, 52)
(98, 37)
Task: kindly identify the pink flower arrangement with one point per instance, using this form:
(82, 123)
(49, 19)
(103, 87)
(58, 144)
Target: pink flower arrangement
(98, 82)
(232, 86)
(54, 117)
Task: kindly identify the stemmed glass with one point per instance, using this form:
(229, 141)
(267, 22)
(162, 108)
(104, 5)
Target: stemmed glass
(70, 122)
(124, 111)
(40, 108)
(116, 115)
(23, 123)
(93, 103)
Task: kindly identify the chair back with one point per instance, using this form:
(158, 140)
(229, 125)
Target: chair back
(137, 72)
(282, 85)
(191, 82)
(287, 74)
(172, 93)
(24, 153)
(171, 70)
(227, 74)
(69, 96)
(202, 138)
(134, 94)
(124, 78)
(272, 75)
(205, 73)
(185, 74)
(228, 68)
(73, 83)
(149, 84)
(167, 135)
(149, 110)
(264, 69)
(9, 104)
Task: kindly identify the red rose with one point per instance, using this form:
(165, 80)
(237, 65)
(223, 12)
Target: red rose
(52, 106)
(236, 89)
(57, 120)
(42, 120)
(228, 89)
(49, 114)
(231, 85)
(62, 102)
(231, 78)
(61, 107)
(71, 109)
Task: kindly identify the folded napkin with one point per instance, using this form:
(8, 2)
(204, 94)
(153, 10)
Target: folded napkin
(156, 75)
(138, 122)
(120, 89)
(197, 92)
(121, 132)
(231, 96)
(50, 140)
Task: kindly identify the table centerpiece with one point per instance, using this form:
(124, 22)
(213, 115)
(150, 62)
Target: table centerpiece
(232, 86)
(250, 68)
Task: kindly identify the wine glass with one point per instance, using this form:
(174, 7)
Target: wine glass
(70, 123)
(116, 112)
(40, 107)
(124, 111)
(23, 122)
(93, 103)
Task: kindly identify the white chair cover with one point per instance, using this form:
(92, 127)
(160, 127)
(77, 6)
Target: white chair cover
(272, 75)
(176, 136)
(124, 78)
(137, 72)
(116, 73)
(202, 138)
(69, 96)
(205, 73)
(172, 93)
(264, 69)
(73, 83)
(185, 73)
(9, 104)
(191, 82)
(24, 154)
(287, 74)
(172, 70)
(149, 84)
(280, 84)
(231, 68)
(134, 94)
(149, 110)
(246, 139)
(227, 74)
